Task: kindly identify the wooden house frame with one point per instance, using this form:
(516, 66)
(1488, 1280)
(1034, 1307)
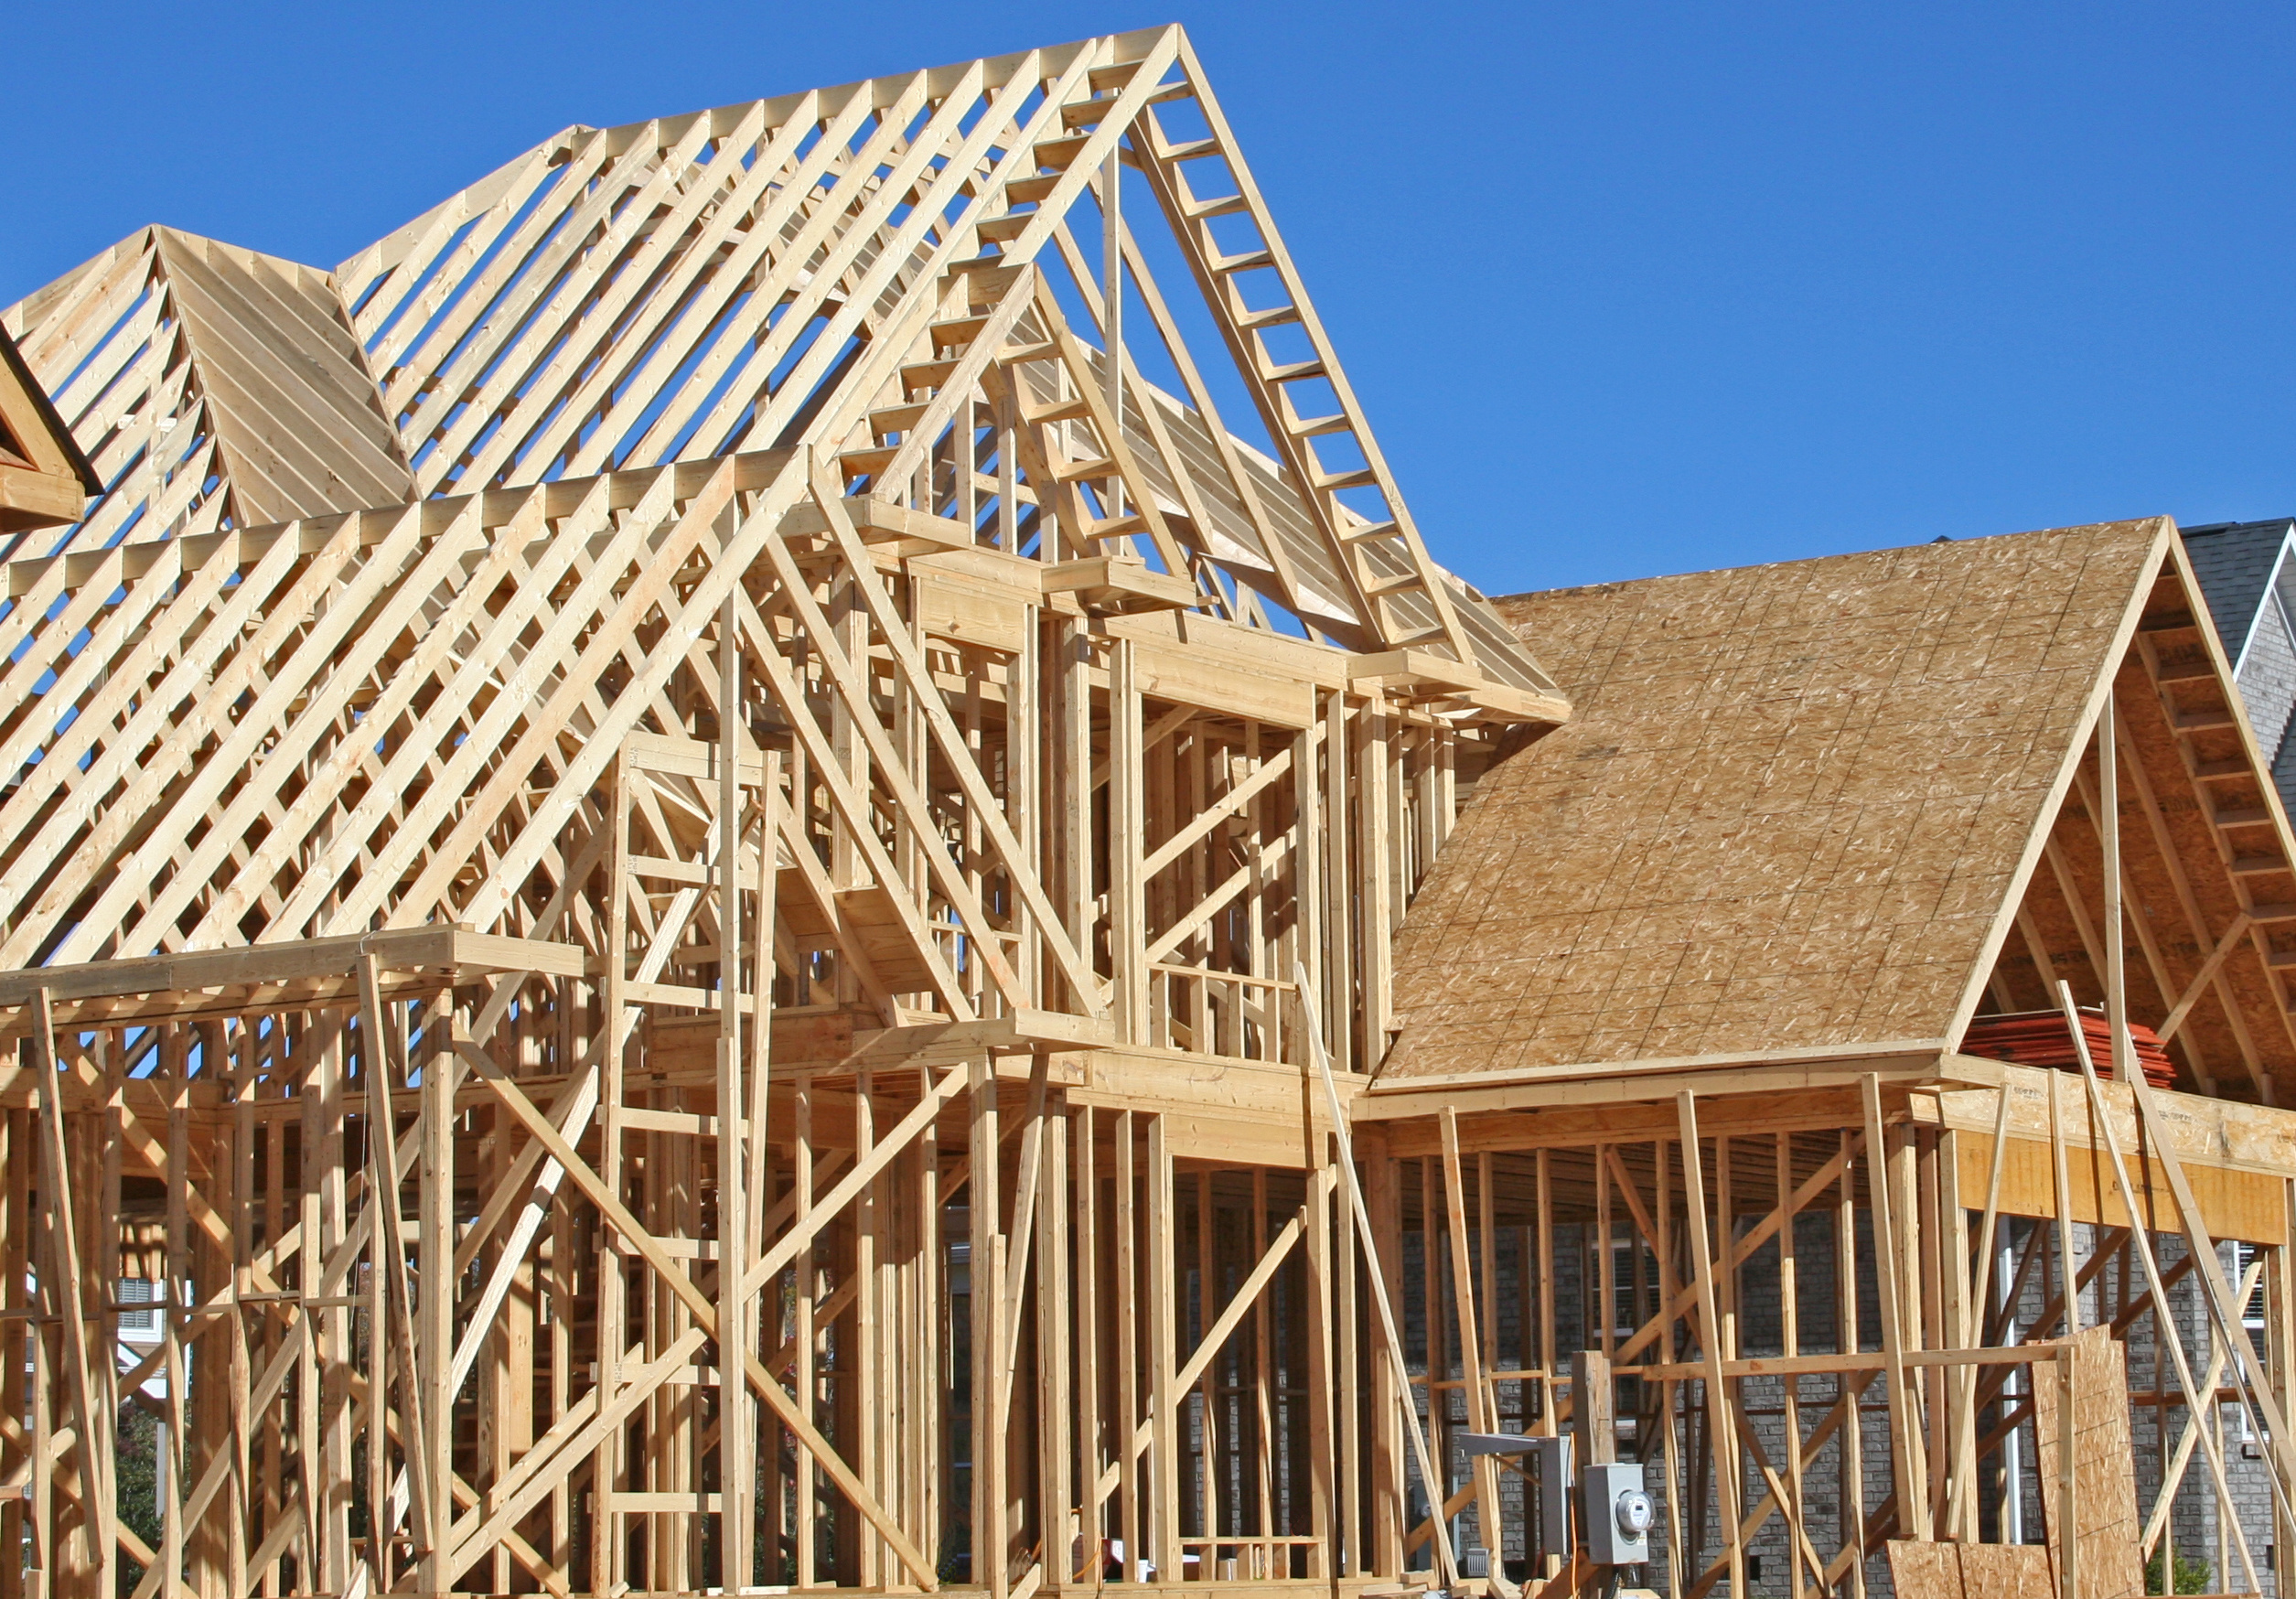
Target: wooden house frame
(707, 878)
(1809, 826)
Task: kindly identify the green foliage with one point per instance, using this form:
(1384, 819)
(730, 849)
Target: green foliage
(136, 1485)
(2191, 1576)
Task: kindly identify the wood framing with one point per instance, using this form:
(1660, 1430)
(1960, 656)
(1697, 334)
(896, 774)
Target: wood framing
(704, 888)
(44, 480)
(663, 835)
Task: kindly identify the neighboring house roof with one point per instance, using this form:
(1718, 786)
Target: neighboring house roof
(1799, 804)
(2249, 572)
(2235, 562)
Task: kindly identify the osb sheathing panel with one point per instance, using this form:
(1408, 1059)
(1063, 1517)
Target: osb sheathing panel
(1925, 1570)
(1969, 1571)
(2105, 1483)
(301, 424)
(2005, 1570)
(1789, 809)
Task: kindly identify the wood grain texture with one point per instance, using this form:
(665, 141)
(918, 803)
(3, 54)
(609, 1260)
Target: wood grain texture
(1969, 1571)
(2110, 1559)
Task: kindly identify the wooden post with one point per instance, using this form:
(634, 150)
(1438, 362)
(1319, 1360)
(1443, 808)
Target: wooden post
(1905, 1464)
(1087, 1291)
(1950, 1227)
(1390, 1392)
(737, 1410)
(1339, 971)
(1055, 1397)
(1374, 866)
(609, 1550)
(990, 1533)
(1720, 1400)
(1681, 1543)
(434, 1341)
(1973, 1329)
(805, 1333)
(1322, 1425)
(2068, 1263)
(1127, 832)
(1789, 1346)
(1132, 1512)
(1347, 1315)
(1851, 1503)
(1164, 1399)
(1071, 827)
(1024, 797)
(1479, 1412)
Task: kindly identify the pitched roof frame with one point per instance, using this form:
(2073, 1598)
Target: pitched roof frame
(211, 387)
(2208, 863)
(387, 714)
(693, 286)
(1746, 849)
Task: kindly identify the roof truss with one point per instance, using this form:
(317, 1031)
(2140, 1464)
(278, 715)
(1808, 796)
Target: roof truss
(398, 560)
(793, 273)
(2208, 863)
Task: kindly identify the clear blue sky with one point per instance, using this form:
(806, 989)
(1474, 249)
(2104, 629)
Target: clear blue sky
(1625, 288)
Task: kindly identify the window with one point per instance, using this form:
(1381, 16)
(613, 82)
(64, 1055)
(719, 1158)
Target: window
(137, 1291)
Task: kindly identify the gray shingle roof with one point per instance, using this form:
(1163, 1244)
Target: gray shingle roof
(2235, 562)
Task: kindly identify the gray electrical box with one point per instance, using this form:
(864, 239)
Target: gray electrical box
(1618, 1513)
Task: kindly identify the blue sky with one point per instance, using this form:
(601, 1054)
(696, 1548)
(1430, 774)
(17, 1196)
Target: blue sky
(1625, 289)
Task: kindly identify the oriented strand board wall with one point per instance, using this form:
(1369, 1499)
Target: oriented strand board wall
(1969, 1571)
(2105, 1487)
(1785, 814)
(2004, 1571)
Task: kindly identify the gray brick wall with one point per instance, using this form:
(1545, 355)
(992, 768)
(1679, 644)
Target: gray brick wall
(2194, 1522)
